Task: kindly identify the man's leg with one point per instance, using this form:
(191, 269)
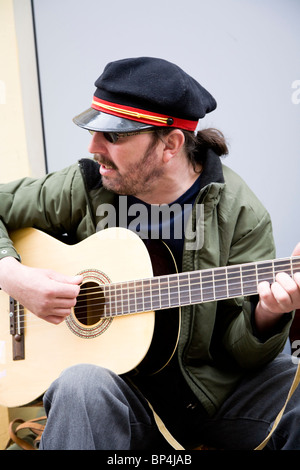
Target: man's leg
(89, 407)
(247, 416)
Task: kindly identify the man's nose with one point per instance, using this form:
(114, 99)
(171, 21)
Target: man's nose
(97, 143)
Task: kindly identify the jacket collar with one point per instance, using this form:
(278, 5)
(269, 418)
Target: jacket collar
(212, 169)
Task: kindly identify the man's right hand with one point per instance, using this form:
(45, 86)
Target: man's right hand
(46, 293)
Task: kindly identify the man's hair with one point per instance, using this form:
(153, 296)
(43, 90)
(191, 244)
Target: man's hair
(196, 145)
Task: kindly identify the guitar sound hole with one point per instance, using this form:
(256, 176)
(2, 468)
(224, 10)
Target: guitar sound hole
(89, 309)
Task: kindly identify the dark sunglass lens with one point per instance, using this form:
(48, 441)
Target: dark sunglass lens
(108, 137)
(111, 137)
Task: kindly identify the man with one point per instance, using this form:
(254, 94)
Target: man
(227, 379)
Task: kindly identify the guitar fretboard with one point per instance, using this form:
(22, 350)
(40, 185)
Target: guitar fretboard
(193, 287)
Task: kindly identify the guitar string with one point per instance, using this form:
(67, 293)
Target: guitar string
(182, 293)
(153, 284)
(212, 274)
(145, 290)
(120, 288)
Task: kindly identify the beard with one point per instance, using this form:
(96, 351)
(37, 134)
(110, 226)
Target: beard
(139, 177)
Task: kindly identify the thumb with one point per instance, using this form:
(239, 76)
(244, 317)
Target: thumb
(296, 251)
(58, 277)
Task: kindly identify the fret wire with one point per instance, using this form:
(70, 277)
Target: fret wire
(176, 289)
(153, 284)
(145, 283)
(135, 291)
(124, 301)
(256, 275)
(137, 298)
(249, 273)
(159, 292)
(197, 286)
(201, 288)
(115, 299)
(121, 302)
(164, 293)
(185, 294)
(232, 275)
(115, 290)
(148, 304)
(111, 302)
(128, 297)
(242, 292)
(220, 282)
(227, 287)
(154, 294)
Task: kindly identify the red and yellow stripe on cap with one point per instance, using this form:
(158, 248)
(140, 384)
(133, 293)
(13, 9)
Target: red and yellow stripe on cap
(147, 117)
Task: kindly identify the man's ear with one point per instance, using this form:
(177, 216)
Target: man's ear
(174, 142)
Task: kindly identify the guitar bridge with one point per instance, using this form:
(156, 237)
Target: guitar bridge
(16, 328)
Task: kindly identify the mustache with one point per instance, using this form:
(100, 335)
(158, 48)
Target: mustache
(102, 160)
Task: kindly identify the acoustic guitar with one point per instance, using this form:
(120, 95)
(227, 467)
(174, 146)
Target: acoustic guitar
(127, 315)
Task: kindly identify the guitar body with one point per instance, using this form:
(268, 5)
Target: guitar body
(167, 322)
(113, 324)
(120, 343)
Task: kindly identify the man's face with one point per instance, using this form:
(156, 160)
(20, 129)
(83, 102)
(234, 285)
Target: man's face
(131, 166)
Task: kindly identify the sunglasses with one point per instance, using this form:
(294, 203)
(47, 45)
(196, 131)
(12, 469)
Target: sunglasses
(113, 137)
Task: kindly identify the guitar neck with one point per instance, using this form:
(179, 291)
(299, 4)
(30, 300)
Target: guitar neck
(193, 287)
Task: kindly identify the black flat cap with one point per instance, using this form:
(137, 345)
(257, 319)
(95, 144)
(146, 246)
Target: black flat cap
(142, 92)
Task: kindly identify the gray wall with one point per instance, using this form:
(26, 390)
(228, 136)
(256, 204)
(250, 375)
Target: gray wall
(245, 52)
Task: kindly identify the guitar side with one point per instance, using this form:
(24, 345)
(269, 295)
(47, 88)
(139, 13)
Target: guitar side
(49, 349)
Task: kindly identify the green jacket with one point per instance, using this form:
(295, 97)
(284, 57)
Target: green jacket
(217, 341)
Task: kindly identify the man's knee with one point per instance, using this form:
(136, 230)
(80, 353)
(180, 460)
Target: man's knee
(83, 374)
(80, 381)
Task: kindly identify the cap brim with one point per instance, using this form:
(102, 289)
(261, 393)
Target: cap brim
(94, 120)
